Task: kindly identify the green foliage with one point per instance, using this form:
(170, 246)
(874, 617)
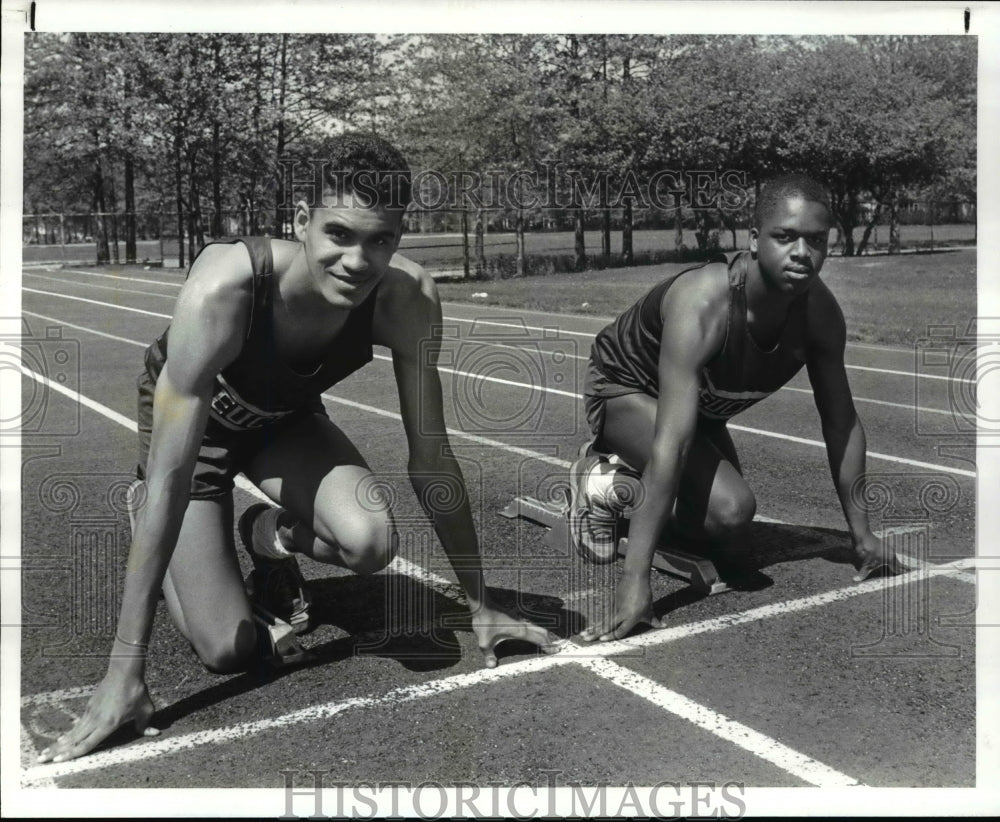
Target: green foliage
(202, 118)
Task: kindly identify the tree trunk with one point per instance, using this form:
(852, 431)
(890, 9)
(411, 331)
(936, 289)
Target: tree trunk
(678, 227)
(894, 243)
(100, 221)
(627, 256)
(519, 236)
(113, 215)
(192, 212)
(179, 193)
(863, 245)
(130, 244)
(279, 215)
(217, 229)
(466, 267)
(579, 242)
(605, 221)
(848, 235)
(480, 247)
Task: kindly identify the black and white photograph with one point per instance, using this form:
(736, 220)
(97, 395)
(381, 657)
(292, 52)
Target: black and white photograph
(514, 409)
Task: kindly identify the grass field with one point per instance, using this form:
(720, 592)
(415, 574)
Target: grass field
(885, 299)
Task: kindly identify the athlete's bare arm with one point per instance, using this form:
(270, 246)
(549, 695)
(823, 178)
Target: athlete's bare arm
(695, 312)
(408, 321)
(842, 430)
(206, 333)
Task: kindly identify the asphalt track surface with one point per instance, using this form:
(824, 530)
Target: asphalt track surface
(809, 679)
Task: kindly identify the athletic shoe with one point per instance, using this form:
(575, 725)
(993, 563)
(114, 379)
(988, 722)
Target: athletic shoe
(592, 522)
(276, 585)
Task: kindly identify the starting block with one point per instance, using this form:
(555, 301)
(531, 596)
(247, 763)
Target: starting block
(285, 648)
(699, 572)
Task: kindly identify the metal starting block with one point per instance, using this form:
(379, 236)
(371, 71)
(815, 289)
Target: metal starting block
(285, 647)
(699, 572)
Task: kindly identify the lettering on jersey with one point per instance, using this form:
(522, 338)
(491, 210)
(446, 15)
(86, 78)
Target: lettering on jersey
(719, 404)
(230, 409)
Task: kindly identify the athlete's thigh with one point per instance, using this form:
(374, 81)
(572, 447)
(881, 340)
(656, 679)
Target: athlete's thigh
(204, 585)
(710, 474)
(315, 472)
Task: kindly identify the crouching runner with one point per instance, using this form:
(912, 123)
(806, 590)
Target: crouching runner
(667, 375)
(260, 329)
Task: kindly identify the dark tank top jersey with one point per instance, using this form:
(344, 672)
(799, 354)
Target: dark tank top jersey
(627, 351)
(258, 387)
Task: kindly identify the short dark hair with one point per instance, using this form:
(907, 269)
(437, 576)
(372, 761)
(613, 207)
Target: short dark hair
(368, 166)
(781, 188)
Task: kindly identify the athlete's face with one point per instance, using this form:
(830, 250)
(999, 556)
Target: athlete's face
(791, 244)
(347, 247)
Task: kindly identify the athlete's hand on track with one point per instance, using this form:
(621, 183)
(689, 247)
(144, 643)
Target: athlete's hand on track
(492, 626)
(633, 604)
(872, 557)
(118, 700)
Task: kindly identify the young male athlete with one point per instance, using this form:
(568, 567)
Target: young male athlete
(260, 329)
(700, 347)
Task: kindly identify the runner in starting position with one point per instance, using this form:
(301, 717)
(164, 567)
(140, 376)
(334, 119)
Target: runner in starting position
(697, 349)
(260, 329)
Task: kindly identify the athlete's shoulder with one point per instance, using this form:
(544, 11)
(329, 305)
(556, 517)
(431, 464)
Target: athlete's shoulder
(221, 265)
(220, 281)
(406, 280)
(704, 290)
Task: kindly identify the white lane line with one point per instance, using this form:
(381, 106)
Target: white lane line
(571, 652)
(922, 409)
(120, 277)
(523, 327)
(911, 374)
(764, 747)
(773, 434)
(114, 337)
(603, 319)
(96, 302)
(870, 454)
(590, 334)
(115, 288)
(916, 564)
(57, 697)
(809, 391)
(325, 712)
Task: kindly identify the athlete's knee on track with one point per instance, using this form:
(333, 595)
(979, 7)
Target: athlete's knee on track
(228, 654)
(367, 540)
(732, 512)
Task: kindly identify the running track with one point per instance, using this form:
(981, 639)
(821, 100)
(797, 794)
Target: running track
(811, 680)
